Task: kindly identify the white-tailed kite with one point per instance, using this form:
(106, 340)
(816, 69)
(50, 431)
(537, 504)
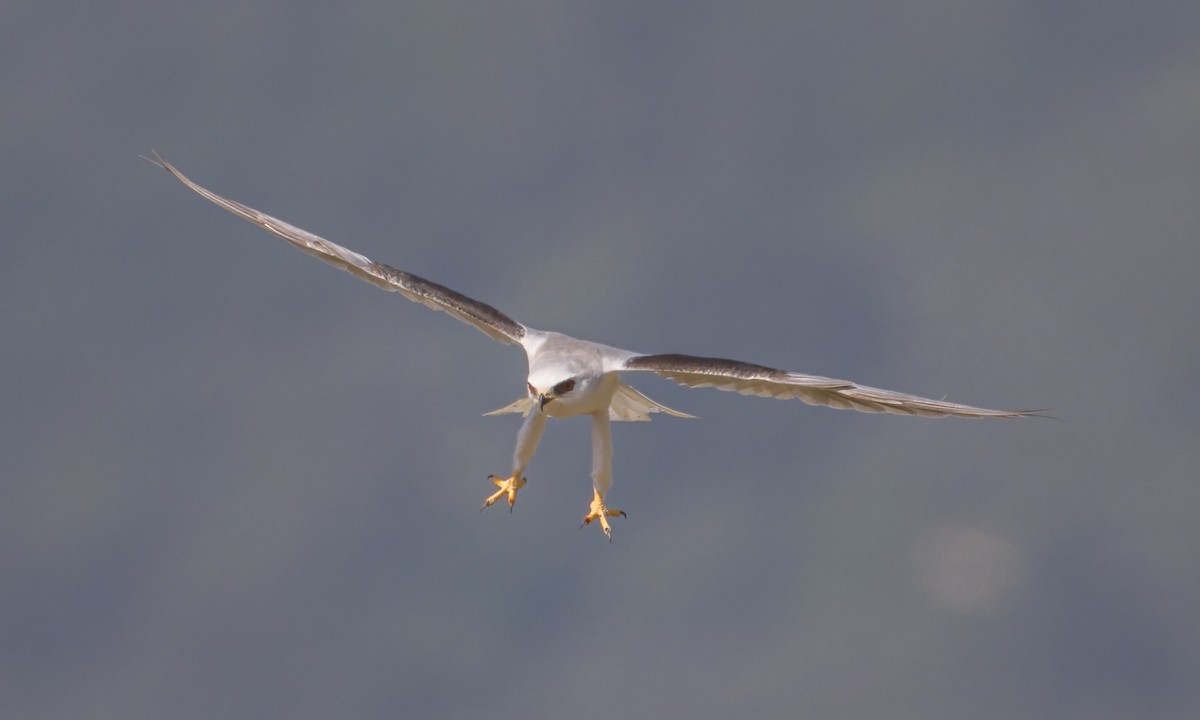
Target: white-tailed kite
(569, 377)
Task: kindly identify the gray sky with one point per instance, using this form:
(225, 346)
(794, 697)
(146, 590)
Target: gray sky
(237, 483)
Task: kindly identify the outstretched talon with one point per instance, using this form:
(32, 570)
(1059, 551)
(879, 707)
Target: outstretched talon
(508, 486)
(599, 511)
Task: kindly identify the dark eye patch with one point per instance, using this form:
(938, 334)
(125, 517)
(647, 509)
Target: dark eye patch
(564, 387)
(532, 389)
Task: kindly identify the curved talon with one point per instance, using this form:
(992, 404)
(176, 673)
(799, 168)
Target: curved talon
(508, 487)
(599, 511)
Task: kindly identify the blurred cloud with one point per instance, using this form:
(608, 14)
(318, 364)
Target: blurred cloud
(967, 570)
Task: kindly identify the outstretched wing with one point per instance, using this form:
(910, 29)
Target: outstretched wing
(751, 379)
(481, 315)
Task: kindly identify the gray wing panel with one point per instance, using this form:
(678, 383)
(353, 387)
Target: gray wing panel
(751, 379)
(482, 316)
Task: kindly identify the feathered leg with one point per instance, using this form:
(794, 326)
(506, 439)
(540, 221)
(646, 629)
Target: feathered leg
(527, 441)
(601, 472)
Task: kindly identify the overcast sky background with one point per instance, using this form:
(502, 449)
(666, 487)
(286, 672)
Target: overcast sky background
(237, 483)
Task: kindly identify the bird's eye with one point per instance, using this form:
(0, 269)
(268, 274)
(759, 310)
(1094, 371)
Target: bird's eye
(564, 387)
(532, 389)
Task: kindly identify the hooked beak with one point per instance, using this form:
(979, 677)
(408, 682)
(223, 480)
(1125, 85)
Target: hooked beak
(542, 399)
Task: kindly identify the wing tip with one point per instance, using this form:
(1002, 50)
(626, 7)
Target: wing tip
(156, 160)
(1042, 413)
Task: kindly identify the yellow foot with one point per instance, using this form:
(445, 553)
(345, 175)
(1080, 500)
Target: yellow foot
(508, 486)
(599, 511)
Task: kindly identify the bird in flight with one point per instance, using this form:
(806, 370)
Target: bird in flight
(570, 377)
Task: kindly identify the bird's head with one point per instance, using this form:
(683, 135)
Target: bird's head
(552, 390)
